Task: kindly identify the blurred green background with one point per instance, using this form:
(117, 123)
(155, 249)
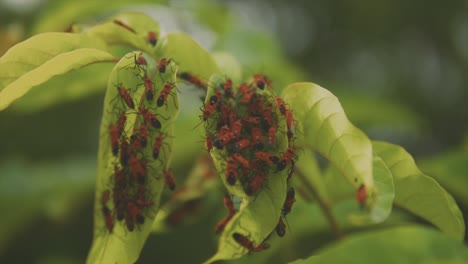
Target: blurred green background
(398, 67)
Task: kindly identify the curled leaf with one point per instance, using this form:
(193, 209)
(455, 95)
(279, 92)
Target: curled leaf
(418, 193)
(130, 176)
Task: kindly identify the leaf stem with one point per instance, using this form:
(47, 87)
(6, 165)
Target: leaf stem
(324, 206)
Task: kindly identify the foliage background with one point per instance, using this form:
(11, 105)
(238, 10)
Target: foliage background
(398, 67)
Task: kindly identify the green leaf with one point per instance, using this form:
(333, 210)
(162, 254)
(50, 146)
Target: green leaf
(410, 244)
(323, 126)
(188, 54)
(65, 88)
(259, 213)
(385, 189)
(450, 170)
(57, 16)
(134, 32)
(59, 65)
(121, 244)
(418, 193)
(228, 65)
(35, 51)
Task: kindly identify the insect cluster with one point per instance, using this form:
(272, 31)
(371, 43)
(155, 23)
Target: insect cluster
(136, 147)
(242, 127)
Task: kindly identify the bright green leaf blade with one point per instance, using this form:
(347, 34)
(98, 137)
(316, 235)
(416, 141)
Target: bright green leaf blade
(188, 54)
(418, 193)
(396, 245)
(65, 88)
(450, 169)
(120, 244)
(35, 51)
(323, 126)
(113, 34)
(58, 65)
(229, 65)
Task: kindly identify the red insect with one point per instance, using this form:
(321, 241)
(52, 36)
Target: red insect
(140, 61)
(281, 104)
(260, 81)
(286, 158)
(271, 136)
(266, 157)
(209, 143)
(170, 180)
(108, 218)
(252, 120)
(150, 117)
(226, 112)
(192, 79)
(143, 135)
(122, 24)
(158, 141)
(125, 95)
(163, 64)
(114, 138)
(236, 129)
(224, 137)
(246, 92)
(288, 203)
(152, 38)
(142, 200)
(242, 161)
(167, 89)
(240, 145)
(245, 242)
(289, 123)
(138, 169)
(227, 87)
(135, 212)
(267, 118)
(280, 228)
(119, 177)
(120, 199)
(121, 122)
(124, 152)
(231, 171)
(149, 88)
(105, 197)
(130, 222)
(255, 183)
(211, 105)
(257, 137)
(231, 212)
(361, 195)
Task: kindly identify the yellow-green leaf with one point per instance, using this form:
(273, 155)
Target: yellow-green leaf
(420, 194)
(35, 51)
(323, 126)
(58, 65)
